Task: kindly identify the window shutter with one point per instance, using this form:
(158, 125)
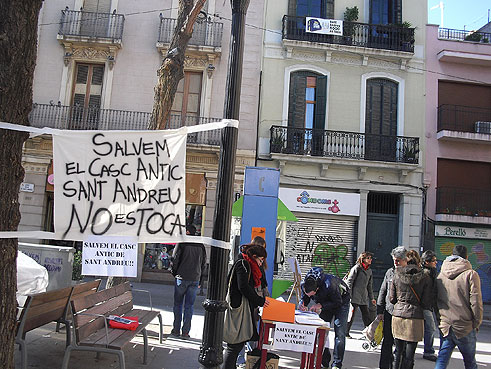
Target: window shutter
(329, 9)
(97, 6)
(320, 102)
(296, 106)
(292, 7)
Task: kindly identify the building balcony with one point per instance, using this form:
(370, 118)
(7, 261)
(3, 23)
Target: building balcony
(463, 204)
(344, 145)
(461, 35)
(456, 122)
(368, 36)
(88, 27)
(207, 36)
(80, 118)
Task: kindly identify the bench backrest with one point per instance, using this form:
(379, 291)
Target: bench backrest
(43, 308)
(116, 300)
(86, 288)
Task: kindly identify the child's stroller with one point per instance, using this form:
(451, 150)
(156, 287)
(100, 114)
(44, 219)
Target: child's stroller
(373, 334)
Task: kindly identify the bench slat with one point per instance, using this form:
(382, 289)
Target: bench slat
(79, 304)
(84, 289)
(47, 297)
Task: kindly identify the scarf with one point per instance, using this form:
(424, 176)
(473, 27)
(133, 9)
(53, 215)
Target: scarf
(365, 266)
(256, 272)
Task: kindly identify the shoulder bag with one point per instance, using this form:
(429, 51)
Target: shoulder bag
(238, 325)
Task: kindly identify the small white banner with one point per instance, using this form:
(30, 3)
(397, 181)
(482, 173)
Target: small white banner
(324, 26)
(294, 337)
(110, 256)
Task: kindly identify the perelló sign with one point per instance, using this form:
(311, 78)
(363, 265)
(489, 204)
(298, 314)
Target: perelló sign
(462, 232)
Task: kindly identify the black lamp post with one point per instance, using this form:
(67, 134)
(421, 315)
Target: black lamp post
(211, 355)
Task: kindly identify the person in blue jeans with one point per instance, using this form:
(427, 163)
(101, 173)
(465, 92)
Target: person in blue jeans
(460, 308)
(332, 300)
(188, 269)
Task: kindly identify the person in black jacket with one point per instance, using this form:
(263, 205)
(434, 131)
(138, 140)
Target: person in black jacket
(245, 277)
(428, 262)
(188, 269)
(332, 299)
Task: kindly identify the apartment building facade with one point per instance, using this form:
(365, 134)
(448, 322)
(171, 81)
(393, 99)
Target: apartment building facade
(458, 150)
(96, 69)
(342, 116)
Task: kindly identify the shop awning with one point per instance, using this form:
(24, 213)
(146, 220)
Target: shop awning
(283, 212)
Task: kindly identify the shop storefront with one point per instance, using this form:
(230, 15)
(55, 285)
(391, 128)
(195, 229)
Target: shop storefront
(478, 243)
(326, 232)
(157, 256)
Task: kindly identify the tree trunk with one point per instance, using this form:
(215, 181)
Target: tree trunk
(172, 69)
(18, 37)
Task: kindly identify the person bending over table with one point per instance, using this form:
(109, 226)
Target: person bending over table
(332, 300)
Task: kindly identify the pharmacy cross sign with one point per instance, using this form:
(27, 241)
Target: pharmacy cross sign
(120, 183)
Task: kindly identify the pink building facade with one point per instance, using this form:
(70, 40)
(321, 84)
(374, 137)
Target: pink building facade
(458, 145)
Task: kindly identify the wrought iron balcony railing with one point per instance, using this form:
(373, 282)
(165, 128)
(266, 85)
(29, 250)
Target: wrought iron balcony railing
(347, 145)
(81, 118)
(93, 25)
(464, 119)
(463, 201)
(204, 33)
(377, 36)
(461, 35)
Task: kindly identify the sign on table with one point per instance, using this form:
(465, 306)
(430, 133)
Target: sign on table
(294, 337)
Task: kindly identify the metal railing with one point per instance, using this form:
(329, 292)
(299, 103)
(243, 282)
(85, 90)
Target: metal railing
(377, 36)
(340, 144)
(464, 119)
(204, 33)
(82, 118)
(94, 25)
(463, 201)
(462, 35)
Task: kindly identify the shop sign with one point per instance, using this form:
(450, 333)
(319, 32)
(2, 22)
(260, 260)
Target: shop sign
(462, 232)
(324, 202)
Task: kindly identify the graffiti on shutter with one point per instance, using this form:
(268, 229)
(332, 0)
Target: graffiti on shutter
(323, 242)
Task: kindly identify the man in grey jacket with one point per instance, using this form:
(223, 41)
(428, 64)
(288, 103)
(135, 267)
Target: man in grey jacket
(188, 269)
(385, 308)
(460, 307)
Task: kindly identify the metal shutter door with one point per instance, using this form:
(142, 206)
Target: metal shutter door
(323, 242)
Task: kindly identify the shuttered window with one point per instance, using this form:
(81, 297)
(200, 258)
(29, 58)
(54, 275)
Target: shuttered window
(311, 8)
(87, 96)
(187, 98)
(97, 6)
(381, 108)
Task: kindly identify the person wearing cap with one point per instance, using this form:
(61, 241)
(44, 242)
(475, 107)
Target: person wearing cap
(188, 269)
(332, 300)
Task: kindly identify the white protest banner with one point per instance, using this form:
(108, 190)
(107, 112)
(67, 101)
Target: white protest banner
(110, 256)
(120, 183)
(324, 26)
(294, 337)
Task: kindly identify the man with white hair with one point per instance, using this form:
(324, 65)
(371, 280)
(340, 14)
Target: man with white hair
(385, 307)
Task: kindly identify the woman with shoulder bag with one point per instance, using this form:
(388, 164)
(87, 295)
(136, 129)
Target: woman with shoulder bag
(410, 293)
(242, 297)
(360, 283)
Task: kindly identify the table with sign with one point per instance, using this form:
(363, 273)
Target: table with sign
(307, 338)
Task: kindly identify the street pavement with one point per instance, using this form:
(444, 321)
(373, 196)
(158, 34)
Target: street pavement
(45, 347)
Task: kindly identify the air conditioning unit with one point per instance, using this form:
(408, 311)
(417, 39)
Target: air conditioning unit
(482, 127)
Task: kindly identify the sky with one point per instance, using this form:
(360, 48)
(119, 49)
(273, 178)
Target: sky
(460, 14)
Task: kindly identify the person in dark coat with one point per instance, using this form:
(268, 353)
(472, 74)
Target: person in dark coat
(332, 299)
(410, 293)
(188, 268)
(244, 279)
(428, 262)
(385, 307)
(360, 283)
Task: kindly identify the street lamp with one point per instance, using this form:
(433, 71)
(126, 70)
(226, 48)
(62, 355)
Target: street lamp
(211, 355)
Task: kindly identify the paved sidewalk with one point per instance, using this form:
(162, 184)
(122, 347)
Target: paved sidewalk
(45, 347)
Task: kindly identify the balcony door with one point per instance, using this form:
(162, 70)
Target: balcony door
(186, 106)
(95, 18)
(86, 97)
(385, 11)
(312, 8)
(306, 113)
(381, 120)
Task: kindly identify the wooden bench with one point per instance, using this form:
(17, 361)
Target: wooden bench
(47, 307)
(91, 329)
